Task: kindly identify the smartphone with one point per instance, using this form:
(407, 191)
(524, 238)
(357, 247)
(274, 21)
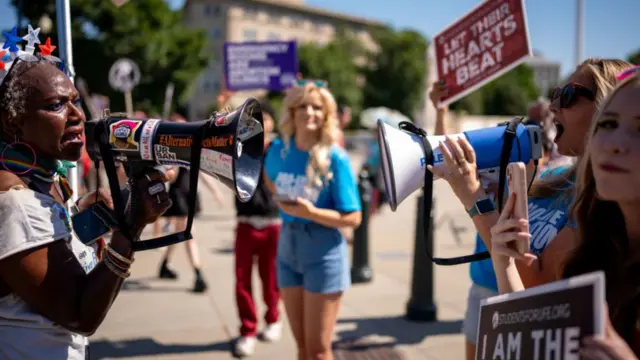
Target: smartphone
(93, 223)
(517, 183)
(284, 198)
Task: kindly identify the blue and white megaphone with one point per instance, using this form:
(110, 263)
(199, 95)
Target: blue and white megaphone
(406, 150)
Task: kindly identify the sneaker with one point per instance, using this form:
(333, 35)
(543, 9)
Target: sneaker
(166, 273)
(246, 345)
(272, 332)
(200, 285)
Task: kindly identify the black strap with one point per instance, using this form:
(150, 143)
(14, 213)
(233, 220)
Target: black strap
(119, 200)
(193, 194)
(505, 155)
(114, 185)
(507, 145)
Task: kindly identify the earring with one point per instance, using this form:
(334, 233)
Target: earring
(15, 164)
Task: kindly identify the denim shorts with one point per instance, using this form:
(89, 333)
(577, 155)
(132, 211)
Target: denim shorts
(471, 320)
(314, 257)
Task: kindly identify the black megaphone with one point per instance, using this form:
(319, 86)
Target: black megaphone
(227, 146)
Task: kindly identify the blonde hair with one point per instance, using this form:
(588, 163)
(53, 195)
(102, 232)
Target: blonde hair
(604, 241)
(603, 72)
(318, 169)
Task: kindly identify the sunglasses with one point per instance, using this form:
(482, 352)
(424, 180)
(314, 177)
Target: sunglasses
(625, 74)
(568, 94)
(318, 83)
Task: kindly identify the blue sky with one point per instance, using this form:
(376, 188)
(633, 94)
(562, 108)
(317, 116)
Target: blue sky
(609, 30)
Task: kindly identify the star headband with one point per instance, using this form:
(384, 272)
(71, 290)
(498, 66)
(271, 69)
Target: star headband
(10, 52)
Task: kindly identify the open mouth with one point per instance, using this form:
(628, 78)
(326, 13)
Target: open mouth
(559, 130)
(71, 138)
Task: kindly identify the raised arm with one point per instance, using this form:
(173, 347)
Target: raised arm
(38, 265)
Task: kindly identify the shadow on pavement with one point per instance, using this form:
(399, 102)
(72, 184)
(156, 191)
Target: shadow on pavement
(147, 285)
(216, 217)
(403, 331)
(146, 347)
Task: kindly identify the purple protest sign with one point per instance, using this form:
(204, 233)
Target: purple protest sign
(271, 65)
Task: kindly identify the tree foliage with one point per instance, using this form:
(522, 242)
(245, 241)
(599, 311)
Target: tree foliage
(395, 73)
(510, 94)
(145, 31)
(334, 63)
(634, 57)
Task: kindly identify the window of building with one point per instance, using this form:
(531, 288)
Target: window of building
(250, 13)
(273, 36)
(250, 35)
(273, 18)
(296, 20)
(212, 10)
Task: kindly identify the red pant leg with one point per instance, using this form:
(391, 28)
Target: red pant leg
(244, 252)
(267, 269)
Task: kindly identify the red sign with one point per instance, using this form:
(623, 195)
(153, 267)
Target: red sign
(487, 42)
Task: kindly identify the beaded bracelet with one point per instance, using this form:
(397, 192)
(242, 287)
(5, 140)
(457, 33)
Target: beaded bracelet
(118, 256)
(117, 263)
(121, 274)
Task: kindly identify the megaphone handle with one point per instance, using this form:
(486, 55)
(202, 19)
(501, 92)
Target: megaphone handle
(135, 173)
(119, 203)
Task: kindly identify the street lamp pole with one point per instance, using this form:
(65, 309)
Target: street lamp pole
(579, 30)
(63, 14)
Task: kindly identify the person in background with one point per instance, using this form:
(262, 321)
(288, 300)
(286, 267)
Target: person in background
(257, 236)
(606, 209)
(306, 165)
(177, 216)
(344, 118)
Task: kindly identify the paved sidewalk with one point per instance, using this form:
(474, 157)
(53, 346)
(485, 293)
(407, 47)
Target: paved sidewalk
(160, 319)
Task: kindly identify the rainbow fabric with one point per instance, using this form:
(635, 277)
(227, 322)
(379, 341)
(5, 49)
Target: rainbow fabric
(22, 163)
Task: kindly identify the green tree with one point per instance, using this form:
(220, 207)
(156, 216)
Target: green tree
(396, 71)
(634, 57)
(145, 31)
(335, 64)
(510, 94)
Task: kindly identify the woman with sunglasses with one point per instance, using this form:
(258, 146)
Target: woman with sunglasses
(307, 166)
(53, 290)
(607, 210)
(573, 107)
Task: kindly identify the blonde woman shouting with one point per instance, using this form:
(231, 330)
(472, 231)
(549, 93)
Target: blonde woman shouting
(606, 209)
(307, 166)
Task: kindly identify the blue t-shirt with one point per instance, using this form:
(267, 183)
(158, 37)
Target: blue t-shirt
(547, 216)
(286, 168)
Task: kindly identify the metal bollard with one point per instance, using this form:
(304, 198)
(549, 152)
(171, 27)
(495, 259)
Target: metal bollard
(360, 269)
(421, 306)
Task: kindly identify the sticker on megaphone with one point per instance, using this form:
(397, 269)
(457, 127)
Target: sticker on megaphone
(438, 156)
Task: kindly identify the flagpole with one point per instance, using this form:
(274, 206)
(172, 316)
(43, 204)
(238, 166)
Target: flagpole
(63, 15)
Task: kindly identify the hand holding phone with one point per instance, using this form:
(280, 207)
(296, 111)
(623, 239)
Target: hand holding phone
(517, 183)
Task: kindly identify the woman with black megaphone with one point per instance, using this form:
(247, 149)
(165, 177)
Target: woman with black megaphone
(54, 290)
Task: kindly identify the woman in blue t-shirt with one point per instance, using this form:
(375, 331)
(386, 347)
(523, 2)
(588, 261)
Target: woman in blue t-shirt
(312, 262)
